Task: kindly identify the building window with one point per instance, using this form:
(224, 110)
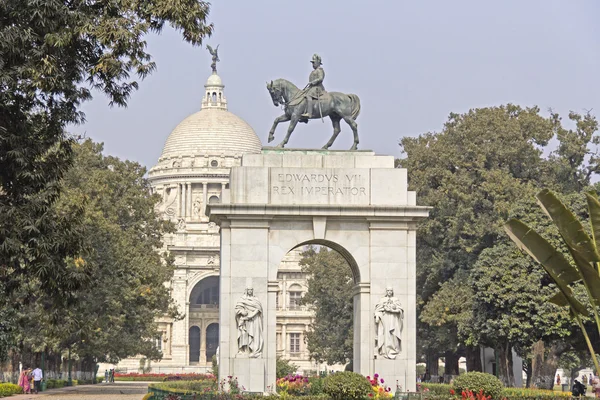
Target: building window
(214, 200)
(159, 343)
(295, 298)
(277, 300)
(294, 343)
(214, 163)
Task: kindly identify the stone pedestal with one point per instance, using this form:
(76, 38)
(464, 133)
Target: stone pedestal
(356, 203)
(250, 373)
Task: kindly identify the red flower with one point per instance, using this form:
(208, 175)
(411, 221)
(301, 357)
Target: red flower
(452, 392)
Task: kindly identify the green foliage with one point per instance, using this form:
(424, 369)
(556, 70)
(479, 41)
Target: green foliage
(214, 366)
(346, 386)
(8, 389)
(436, 388)
(284, 368)
(125, 275)
(329, 293)
(184, 387)
(477, 381)
(583, 250)
(317, 385)
(52, 53)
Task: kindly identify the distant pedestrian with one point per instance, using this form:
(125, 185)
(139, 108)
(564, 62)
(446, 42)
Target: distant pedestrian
(112, 375)
(24, 380)
(558, 379)
(105, 376)
(596, 386)
(578, 389)
(38, 375)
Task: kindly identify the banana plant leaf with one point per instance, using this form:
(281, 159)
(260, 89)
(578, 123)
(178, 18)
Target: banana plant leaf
(568, 225)
(556, 265)
(591, 280)
(594, 209)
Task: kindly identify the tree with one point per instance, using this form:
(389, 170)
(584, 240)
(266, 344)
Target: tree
(113, 316)
(329, 294)
(566, 275)
(473, 173)
(284, 368)
(52, 53)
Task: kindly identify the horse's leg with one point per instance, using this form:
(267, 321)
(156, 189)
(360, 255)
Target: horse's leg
(335, 120)
(291, 127)
(354, 127)
(279, 119)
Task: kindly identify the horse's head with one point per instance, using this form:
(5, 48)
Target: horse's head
(276, 93)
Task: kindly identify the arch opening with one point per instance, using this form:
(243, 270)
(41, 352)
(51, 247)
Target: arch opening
(212, 340)
(340, 250)
(194, 344)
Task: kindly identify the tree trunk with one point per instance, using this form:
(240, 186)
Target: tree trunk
(528, 371)
(543, 365)
(473, 356)
(505, 367)
(432, 364)
(451, 367)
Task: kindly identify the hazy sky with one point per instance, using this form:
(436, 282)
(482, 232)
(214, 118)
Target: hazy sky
(411, 63)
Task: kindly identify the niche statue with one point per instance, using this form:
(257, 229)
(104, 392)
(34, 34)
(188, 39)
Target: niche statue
(248, 317)
(388, 325)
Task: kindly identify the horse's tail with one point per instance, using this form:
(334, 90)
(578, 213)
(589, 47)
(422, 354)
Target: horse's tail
(355, 101)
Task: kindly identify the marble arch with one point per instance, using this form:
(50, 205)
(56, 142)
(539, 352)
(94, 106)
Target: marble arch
(354, 202)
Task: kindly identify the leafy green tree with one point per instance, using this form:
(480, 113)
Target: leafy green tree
(113, 316)
(473, 173)
(52, 53)
(284, 368)
(329, 294)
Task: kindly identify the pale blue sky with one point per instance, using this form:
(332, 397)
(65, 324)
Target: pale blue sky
(411, 63)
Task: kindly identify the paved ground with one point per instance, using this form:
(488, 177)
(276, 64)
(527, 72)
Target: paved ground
(101, 391)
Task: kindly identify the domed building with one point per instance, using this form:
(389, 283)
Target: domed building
(192, 171)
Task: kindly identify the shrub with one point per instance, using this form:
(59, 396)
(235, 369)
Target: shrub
(296, 385)
(346, 386)
(476, 382)
(533, 394)
(284, 368)
(435, 388)
(8, 389)
(316, 385)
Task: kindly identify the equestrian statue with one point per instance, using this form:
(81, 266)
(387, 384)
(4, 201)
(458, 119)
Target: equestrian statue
(313, 102)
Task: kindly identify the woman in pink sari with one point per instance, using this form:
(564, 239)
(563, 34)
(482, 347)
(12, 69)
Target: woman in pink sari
(24, 380)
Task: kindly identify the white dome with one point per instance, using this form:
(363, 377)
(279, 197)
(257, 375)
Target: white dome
(214, 80)
(212, 131)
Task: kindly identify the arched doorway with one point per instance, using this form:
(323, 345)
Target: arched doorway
(194, 342)
(203, 310)
(212, 340)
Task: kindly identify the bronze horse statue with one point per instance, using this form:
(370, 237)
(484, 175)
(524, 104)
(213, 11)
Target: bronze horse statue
(335, 105)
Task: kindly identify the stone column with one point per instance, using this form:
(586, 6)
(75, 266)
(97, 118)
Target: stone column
(189, 200)
(203, 327)
(178, 200)
(284, 340)
(204, 200)
(183, 198)
(284, 294)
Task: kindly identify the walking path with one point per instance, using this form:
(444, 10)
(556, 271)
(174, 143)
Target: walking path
(101, 391)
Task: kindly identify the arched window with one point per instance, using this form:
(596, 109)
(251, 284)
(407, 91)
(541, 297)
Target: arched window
(206, 292)
(295, 292)
(214, 200)
(214, 97)
(194, 342)
(212, 340)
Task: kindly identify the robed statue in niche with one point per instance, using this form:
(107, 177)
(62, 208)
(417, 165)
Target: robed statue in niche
(249, 320)
(389, 316)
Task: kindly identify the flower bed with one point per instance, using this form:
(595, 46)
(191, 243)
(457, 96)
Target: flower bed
(442, 391)
(162, 377)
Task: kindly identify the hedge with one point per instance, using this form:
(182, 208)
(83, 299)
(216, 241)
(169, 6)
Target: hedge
(162, 377)
(8, 389)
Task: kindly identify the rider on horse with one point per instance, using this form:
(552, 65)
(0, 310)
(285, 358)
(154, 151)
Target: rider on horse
(314, 90)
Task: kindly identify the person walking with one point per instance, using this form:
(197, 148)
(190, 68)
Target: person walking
(105, 376)
(24, 380)
(38, 375)
(596, 386)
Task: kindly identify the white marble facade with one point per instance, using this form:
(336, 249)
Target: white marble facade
(193, 171)
(356, 203)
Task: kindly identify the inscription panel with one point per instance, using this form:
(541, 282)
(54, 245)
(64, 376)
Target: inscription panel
(319, 186)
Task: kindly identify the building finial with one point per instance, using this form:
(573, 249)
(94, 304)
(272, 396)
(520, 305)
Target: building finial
(215, 57)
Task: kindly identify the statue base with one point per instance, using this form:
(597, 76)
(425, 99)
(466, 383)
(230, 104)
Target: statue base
(250, 373)
(404, 372)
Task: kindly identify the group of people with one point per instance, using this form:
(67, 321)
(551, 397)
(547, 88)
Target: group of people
(31, 380)
(109, 375)
(579, 386)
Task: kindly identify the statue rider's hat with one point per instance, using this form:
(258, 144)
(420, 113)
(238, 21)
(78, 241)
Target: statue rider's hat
(316, 58)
